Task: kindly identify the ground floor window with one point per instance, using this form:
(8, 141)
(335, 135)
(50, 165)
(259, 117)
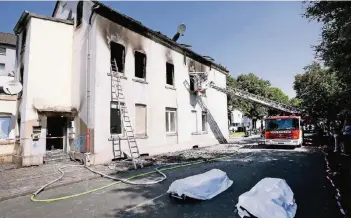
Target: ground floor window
(204, 121)
(140, 119)
(116, 112)
(171, 117)
(194, 121)
(5, 122)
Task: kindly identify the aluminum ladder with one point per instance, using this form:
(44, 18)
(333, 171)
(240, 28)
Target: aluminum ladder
(117, 95)
(256, 98)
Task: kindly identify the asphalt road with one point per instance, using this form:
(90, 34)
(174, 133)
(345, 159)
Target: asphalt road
(302, 169)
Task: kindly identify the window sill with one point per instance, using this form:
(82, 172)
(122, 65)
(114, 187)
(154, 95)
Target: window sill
(6, 141)
(6, 97)
(141, 136)
(171, 134)
(170, 87)
(199, 133)
(140, 80)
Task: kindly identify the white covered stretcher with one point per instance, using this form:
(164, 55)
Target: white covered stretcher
(202, 186)
(269, 198)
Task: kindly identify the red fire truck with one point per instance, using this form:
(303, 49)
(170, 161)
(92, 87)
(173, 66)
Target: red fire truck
(284, 130)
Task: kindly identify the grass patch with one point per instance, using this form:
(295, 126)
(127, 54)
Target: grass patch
(237, 134)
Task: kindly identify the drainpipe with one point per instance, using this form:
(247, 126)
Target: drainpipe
(87, 144)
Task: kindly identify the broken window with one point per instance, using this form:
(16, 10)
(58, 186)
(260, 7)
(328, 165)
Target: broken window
(204, 121)
(169, 74)
(140, 65)
(140, 119)
(79, 13)
(5, 122)
(194, 121)
(171, 116)
(116, 118)
(118, 55)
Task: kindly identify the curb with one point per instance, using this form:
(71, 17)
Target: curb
(29, 192)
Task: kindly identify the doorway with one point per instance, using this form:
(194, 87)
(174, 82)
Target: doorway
(56, 127)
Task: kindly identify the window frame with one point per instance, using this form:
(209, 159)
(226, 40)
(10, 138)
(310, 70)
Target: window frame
(3, 71)
(123, 56)
(141, 105)
(135, 64)
(170, 64)
(204, 124)
(9, 127)
(168, 113)
(194, 113)
(121, 111)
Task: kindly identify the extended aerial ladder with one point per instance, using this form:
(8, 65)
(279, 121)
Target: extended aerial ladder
(201, 81)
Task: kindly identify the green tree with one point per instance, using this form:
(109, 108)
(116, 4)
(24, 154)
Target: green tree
(318, 90)
(276, 94)
(334, 47)
(295, 102)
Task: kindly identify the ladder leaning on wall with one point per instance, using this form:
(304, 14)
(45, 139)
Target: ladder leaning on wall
(118, 96)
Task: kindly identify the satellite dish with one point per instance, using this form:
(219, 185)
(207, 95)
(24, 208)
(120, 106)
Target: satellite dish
(181, 29)
(12, 87)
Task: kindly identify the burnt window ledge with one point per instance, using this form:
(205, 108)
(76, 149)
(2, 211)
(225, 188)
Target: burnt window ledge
(171, 134)
(170, 87)
(140, 80)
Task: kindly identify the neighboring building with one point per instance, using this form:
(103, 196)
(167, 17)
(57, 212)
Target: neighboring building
(238, 119)
(7, 102)
(63, 64)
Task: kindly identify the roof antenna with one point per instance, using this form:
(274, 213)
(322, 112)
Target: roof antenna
(180, 32)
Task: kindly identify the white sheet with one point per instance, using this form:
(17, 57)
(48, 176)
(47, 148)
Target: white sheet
(202, 186)
(269, 198)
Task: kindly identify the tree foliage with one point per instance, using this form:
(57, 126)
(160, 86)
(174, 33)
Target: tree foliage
(255, 85)
(318, 89)
(335, 45)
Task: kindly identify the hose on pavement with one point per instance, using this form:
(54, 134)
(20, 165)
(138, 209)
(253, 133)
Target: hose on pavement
(120, 180)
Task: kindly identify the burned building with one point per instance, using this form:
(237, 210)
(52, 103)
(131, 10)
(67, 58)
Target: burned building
(66, 103)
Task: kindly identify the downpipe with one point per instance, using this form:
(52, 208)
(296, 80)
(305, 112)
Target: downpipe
(88, 139)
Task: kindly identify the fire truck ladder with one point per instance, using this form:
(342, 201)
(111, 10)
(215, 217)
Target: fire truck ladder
(256, 98)
(118, 96)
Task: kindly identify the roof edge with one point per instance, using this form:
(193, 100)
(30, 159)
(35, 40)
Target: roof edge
(122, 19)
(26, 15)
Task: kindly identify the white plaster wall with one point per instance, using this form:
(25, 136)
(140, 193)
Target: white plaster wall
(9, 59)
(47, 79)
(154, 95)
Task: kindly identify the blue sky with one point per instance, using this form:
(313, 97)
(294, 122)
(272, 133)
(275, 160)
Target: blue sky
(270, 39)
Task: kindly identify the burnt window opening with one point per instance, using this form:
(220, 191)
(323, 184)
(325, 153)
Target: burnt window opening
(192, 83)
(79, 13)
(140, 65)
(118, 54)
(170, 74)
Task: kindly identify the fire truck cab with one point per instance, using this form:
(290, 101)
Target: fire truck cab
(283, 130)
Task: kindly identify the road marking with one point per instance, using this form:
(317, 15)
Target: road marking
(145, 202)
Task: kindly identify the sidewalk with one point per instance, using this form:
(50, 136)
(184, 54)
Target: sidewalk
(341, 166)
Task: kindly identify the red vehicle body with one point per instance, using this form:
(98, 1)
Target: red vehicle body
(283, 130)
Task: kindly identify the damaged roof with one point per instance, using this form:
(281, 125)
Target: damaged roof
(8, 39)
(136, 26)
